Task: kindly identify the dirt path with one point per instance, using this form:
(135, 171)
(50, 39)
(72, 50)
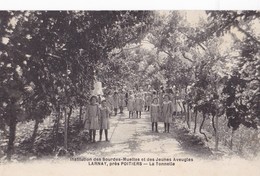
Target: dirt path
(134, 138)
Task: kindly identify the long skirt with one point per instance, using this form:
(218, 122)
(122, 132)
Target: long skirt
(130, 106)
(94, 125)
(167, 118)
(138, 107)
(104, 125)
(154, 117)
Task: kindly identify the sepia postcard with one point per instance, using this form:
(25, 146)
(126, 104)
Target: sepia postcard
(129, 92)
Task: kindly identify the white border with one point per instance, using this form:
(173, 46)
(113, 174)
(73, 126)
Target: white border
(240, 4)
(129, 4)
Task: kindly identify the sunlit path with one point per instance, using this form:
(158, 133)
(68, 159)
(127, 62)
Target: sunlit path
(134, 138)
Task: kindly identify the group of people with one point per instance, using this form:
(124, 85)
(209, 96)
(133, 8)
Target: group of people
(160, 105)
(98, 112)
(138, 102)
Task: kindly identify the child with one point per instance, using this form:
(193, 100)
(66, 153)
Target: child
(161, 95)
(104, 119)
(130, 105)
(126, 98)
(139, 103)
(167, 111)
(154, 94)
(134, 105)
(148, 101)
(121, 101)
(99, 99)
(109, 101)
(92, 118)
(115, 102)
(155, 112)
(145, 101)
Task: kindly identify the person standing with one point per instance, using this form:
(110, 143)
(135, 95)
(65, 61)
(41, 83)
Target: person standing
(145, 101)
(109, 101)
(139, 103)
(134, 105)
(173, 99)
(167, 111)
(91, 121)
(154, 94)
(126, 98)
(130, 105)
(155, 112)
(174, 103)
(104, 119)
(99, 99)
(148, 101)
(161, 94)
(121, 101)
(115, 102)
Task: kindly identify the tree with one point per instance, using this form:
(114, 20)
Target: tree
(55, 55)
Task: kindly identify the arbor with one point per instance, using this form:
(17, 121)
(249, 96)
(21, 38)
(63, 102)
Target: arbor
(241, 86)
(50, 60)
(236, 86)
(51, 57)
(217, 82)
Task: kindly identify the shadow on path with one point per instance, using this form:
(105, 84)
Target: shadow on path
(133, 137)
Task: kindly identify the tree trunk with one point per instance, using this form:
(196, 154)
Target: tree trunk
(66, 130)
(69, 115)
(182, 105)
(215, 127)
(80, 113)
(195, 121)
(188, 116)
(2, 127)
(231, 141)
(35, 129)
(12, 132)
(56, 129)
(191, 114)
(203, 120)
(68, 126)
(217, 133)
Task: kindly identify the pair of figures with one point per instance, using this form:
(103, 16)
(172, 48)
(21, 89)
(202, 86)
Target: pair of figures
(97, 118)
(135, 104)
(161, 112)
(116, 102)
